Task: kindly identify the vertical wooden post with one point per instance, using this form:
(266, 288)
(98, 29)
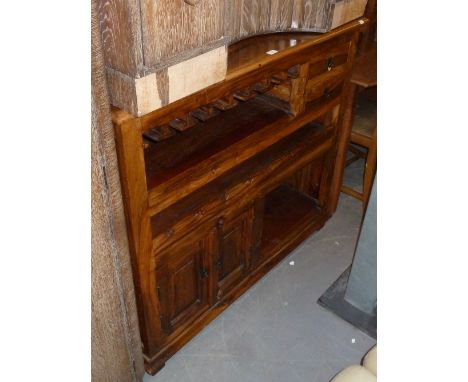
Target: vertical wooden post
(298, 86)
(132, 172)
(115, 347)
(369, 171)
(343, 130)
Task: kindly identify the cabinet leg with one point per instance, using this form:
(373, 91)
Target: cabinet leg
(153, 367)
(343, 135)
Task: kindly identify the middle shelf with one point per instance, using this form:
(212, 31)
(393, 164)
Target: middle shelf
(242, 184)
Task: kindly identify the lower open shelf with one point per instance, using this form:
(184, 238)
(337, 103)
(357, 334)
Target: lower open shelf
(286, 210)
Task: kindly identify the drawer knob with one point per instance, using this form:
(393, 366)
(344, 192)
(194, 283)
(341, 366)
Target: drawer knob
(327, 93)
(330, 63)
(220, 222)
(169, 232)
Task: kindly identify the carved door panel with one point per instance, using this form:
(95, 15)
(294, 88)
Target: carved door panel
(234, 249)
(183, 281)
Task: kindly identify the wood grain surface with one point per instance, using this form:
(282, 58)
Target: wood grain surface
(346, 10)
(206, 165)
(115, 344)
(120, 26)
(143, 38)
(172, 27)
(281, 12)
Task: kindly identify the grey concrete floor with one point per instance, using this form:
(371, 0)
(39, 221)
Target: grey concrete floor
(276, 331)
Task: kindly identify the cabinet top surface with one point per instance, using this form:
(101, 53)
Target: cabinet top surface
(257, 48)
(251, 54)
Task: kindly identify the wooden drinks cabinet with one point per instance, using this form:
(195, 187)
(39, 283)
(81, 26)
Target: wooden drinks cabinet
(219, 186)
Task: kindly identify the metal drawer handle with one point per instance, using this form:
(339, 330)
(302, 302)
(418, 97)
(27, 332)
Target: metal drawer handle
(327, 93)
(192, 2)
(330, 63)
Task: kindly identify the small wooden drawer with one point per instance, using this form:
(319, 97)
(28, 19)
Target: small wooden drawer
(331, 63)
(327, 71)
(325, 87)
(333, 57)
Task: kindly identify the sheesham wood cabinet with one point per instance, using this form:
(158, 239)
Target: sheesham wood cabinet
(220, 185)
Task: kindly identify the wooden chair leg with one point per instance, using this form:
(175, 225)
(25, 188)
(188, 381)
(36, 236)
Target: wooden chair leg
(371, 165)
(352, 192)
(345, 125)
(351, 160)
(357, 154)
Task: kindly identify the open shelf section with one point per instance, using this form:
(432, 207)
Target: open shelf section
(286, 212)
(253, 178)
(177, 167)
(171, 157)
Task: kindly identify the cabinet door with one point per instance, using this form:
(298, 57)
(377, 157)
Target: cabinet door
(183, 275)
(233, 257)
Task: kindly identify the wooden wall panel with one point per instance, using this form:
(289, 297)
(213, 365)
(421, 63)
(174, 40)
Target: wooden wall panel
(281, 12)
(323, 14)
(345, 11)
(249, 17)
(115, 344)
(212, 20)
(308, 14)
(169, 28)
(233, 17)
(172, 28)
(244, 18)
(119, 23)
(263, 22)
(122, 90)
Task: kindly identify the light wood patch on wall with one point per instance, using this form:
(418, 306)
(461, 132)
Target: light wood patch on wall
(347, 10)
(281, 12)
(197, 73)
(179, 80)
